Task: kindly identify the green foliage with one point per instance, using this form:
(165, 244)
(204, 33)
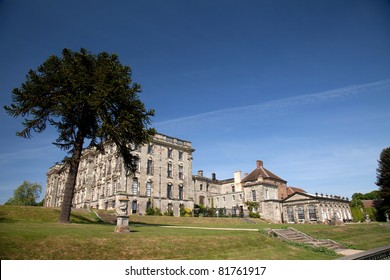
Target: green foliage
(153, 211)
(254, 215)
(367, 196)
(83, 94)
(383, 178)
(252, 205)
(185, 212)
(168, 213)
(357, 214)
(356, 202)
(323, 250)
(85, 97)
(372, 213)
(26, 194)
(41, 202)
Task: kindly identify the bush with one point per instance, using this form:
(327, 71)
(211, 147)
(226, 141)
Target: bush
(254, 215)
(168, 213)
(185, 212)
(153, 212)
(357, 214)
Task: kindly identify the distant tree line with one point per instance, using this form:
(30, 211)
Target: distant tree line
(378, 212)
(26, 194)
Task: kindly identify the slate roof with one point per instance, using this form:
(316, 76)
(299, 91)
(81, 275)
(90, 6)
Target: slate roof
(291, 190)
(261, 171)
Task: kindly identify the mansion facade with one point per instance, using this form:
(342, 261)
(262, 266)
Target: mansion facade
(164, 180)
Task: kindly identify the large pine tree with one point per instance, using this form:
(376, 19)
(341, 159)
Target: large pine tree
(383, 178)
(86, 97)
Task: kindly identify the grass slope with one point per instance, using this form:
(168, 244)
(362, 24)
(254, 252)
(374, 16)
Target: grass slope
(33, 233)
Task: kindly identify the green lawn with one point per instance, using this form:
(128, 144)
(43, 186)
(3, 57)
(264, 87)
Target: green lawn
(33, 233)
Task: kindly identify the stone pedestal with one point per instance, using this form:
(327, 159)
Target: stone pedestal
(122, 224)
(122, 218)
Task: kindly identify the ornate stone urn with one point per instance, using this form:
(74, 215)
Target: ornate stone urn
(122, 214)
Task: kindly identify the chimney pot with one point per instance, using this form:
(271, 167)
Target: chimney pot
(259, 163)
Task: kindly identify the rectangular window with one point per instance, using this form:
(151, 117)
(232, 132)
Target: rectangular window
(170, 153)
(169, 171)
(181, 192)
(180, 155)
(149, 167)
(136, 163)
(134, 206)
(301, 214)
(169, 191)
(290, 215)
(150, 149)
(134, 187)
(181, 174)
(149, 189)
(253, 195)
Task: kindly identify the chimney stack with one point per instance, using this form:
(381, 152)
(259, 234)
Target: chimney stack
(200, 173)
(237, 177)
(259, 163)
(213, 176)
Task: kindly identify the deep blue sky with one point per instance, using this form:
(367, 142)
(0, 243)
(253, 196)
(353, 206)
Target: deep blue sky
(302, 85)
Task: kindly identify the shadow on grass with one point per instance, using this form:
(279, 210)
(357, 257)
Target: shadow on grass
(142, 224)
(7, 220)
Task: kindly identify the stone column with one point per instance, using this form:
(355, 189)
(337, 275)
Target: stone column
(122, 218)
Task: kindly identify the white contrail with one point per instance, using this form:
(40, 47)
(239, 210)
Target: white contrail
(280, 104)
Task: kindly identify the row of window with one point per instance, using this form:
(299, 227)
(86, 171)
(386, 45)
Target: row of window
(170, 152)
(150, 169)
(233, 198)
(267, 195)
(301, 214)
(149, 190)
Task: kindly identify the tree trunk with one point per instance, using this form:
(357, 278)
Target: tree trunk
(71, 180)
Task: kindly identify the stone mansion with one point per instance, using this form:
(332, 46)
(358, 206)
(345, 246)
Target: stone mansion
(164, 180)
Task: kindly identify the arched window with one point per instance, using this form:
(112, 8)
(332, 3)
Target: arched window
(201, 200)
(290, 215)
(312, 213)
(301, 213)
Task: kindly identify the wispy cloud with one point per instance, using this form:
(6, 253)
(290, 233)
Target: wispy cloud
(276, 106)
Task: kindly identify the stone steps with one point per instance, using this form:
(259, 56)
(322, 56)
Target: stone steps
(109, 218)
(300, 237)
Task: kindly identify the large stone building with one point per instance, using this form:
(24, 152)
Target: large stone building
(164, 180)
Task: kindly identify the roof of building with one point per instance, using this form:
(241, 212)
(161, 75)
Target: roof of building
(372, 203)
(291, 190)
(260, 171)
(317, 196)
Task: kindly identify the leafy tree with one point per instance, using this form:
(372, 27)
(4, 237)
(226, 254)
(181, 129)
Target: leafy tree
(26, 194)
(86, 97)
(383, 177)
